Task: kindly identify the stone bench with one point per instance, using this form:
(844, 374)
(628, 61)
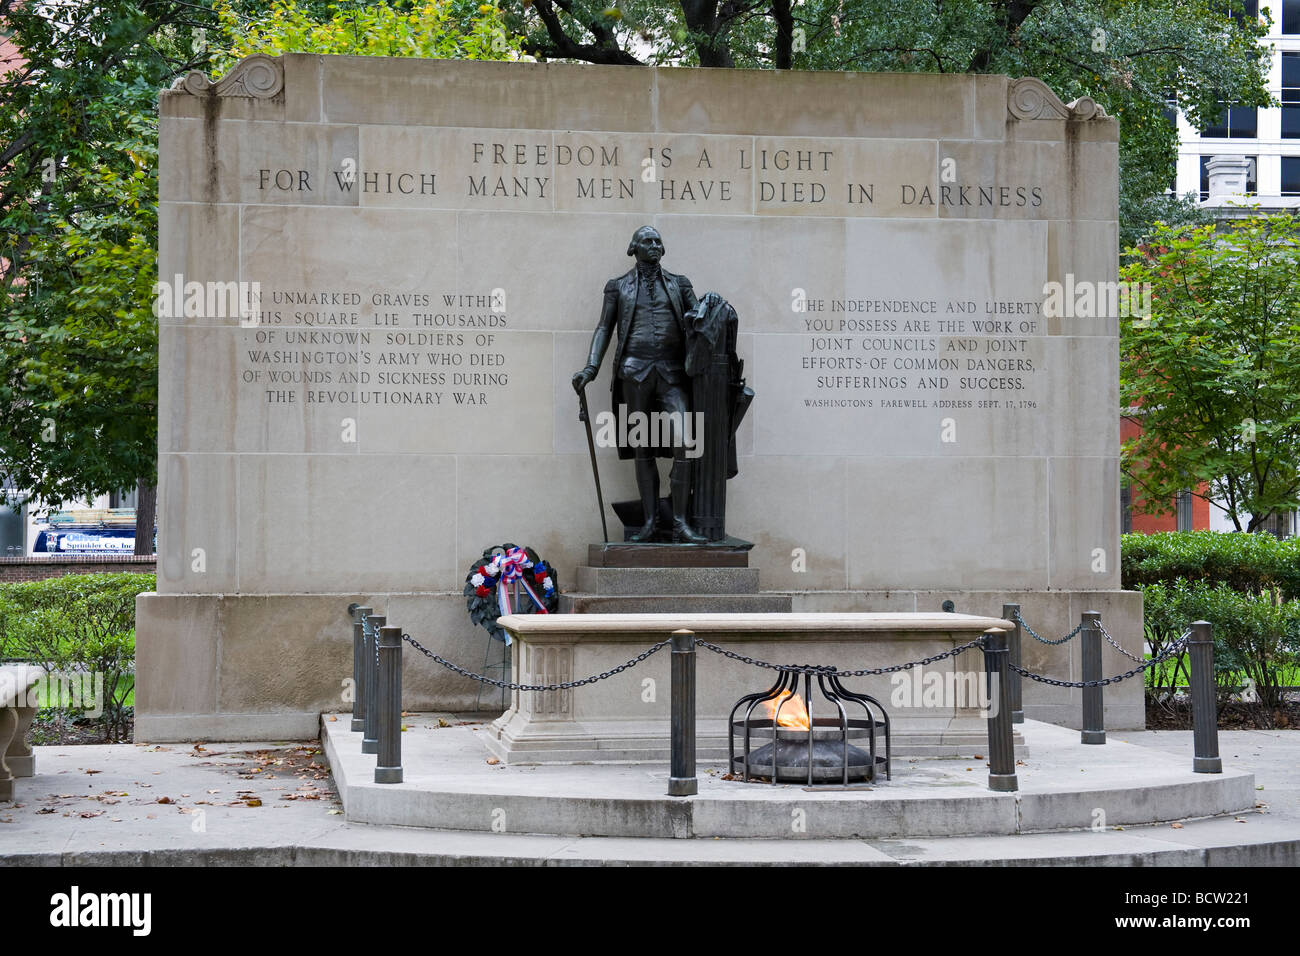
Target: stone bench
(626, 719)
(17, 711)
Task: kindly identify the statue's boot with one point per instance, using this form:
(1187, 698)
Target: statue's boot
(683, 533)
(647, 482)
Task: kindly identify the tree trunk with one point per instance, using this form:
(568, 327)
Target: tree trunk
(146, 512)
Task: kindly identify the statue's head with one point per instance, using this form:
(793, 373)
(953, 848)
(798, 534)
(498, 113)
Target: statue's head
(646, 245)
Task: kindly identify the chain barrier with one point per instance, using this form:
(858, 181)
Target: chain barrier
(567, 685)
(1110, 640)
(1175, 648)
(1021, 621)
(828, 669)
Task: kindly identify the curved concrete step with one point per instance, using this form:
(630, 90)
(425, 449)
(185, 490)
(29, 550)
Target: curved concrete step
(1259, 841)
(450, 785)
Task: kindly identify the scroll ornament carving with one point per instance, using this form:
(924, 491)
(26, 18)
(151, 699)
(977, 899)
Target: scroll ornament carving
(257, 76)
(1030, 98)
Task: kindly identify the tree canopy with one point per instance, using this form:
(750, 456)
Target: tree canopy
(1213, 374)
(79, 214)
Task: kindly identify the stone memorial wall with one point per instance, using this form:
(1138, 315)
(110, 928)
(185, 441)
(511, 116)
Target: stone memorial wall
(377, 277)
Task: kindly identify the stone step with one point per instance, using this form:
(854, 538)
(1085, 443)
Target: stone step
(666, 556)
(1200, 843)
(449, 785)
(581, 603)
(637, 581)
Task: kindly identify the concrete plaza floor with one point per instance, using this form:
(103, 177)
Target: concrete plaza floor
(257, 804)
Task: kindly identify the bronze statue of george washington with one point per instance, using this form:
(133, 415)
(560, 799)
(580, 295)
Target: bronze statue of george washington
(647, 306)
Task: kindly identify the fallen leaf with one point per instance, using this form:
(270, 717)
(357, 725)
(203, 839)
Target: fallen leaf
(94, 771)
(335, 812)
(87, 814)
(333, 720)
(47, 810)
(492, 761)
(252, 802)
(164, 800)
(1175, 826)
(979, 756)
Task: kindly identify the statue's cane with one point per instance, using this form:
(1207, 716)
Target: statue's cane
(591, 447)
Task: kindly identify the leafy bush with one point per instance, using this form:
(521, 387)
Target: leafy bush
(1255, 636)
(1250, 563)
(78, 624)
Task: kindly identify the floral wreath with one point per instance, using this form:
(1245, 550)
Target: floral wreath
(489, 583)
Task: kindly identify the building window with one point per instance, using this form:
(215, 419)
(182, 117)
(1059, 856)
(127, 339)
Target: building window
(1291, 17)
(1125, 509)
(1241, 10)
(1237, 122)
(1185, 511)
(1291, 95)
(1291, 175)
(1252, 176)
(1279, 525)
(123, 499)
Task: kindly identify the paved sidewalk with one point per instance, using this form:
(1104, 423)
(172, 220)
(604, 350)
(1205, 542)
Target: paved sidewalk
(182, 805)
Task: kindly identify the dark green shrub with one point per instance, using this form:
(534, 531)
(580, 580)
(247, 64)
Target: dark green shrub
(1255, 636)
(81, 626)
(1251, 563)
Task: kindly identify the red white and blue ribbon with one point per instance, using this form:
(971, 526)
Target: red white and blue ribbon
(513, 565)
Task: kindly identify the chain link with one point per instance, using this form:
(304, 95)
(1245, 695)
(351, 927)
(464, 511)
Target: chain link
(1177, 647)
(567, 685)
(828, 669)
(1021, 621)
(1110, 640)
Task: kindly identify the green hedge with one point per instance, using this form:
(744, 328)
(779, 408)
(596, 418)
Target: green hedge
(1251, 563)
(1246, 585)
(77, 624)
(1254, 636)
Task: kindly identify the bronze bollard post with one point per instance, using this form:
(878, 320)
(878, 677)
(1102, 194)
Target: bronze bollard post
(1011, 612)
(370, 729)
(1205, 718)
(1002, 747)
(681, 777)
(1094, 727)
(388, 768)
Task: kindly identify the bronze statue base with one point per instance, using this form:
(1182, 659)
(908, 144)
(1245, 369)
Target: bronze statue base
(727, 553)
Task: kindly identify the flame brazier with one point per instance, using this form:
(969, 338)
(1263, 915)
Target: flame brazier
(800, 747)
